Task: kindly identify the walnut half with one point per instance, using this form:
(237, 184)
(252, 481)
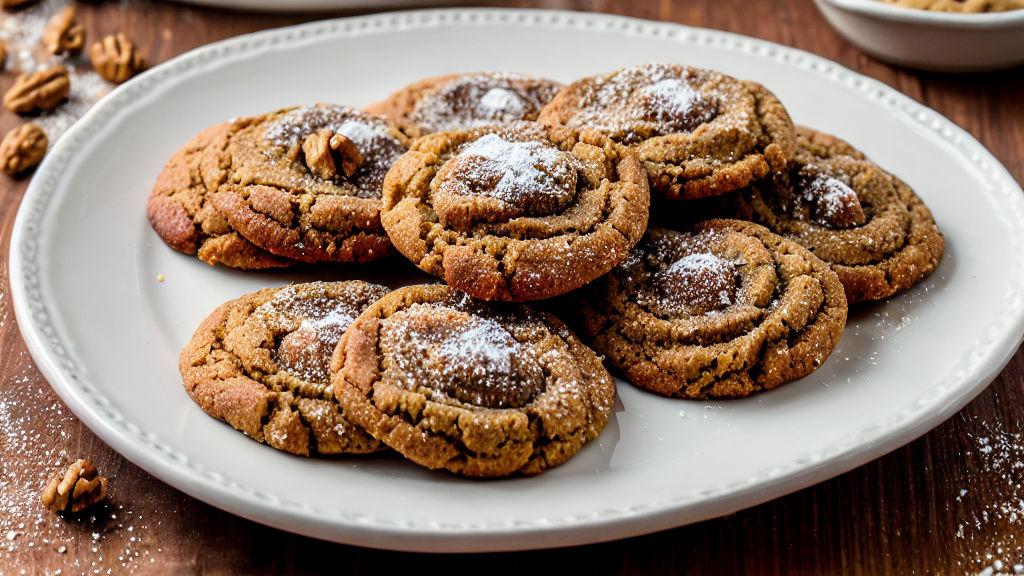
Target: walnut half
(324, 151)
(22, 148)
(64, 34)
(38, 91)
(116, 58)
(78, 488)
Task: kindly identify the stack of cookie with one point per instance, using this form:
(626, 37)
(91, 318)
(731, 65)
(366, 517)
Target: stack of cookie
(516, 189)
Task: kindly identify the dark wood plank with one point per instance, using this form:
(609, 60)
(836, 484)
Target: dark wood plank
(902, 514)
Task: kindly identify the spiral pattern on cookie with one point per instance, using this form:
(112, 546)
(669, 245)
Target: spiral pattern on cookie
(516, 212)
(724, 308)
(869, 225)
(480, 389)
(698, 132)
(261, 364)
(466, 101)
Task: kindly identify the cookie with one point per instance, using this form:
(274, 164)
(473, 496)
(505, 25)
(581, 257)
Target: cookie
(480, 389)
(698, 132)
(299, 184)
(869, 225)
(307, 183)
(516, 212)
(969, 6)
(723, 308)
(181, 213)
(466, 101)
(261, 364)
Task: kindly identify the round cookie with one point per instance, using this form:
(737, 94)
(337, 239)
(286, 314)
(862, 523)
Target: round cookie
(698, 132)
(480, 389)
(261, 364)
(466, 101)
(722, 309)
(869, 225)
(181, 213)
(307, 183)
(297, 184)
(516, 212)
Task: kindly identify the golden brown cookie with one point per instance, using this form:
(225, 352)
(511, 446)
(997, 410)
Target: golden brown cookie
(724, 308)
(181, 213)
(260, 363)
(871, 227)
(698, 132)
(969, 6)
(466, 101)
(516, 212)
(480, 389)
(297, 184)
(307, 183)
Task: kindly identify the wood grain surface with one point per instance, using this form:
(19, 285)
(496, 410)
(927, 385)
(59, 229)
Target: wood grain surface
(949, 503)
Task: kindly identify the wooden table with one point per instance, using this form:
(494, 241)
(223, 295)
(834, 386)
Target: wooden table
(949, 502)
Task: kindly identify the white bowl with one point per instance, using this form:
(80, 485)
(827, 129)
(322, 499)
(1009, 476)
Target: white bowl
(943, 41)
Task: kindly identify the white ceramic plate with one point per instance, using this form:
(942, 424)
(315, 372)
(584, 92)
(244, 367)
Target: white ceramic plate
(84, 264)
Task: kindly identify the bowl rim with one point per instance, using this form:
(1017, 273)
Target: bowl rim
(896, 13)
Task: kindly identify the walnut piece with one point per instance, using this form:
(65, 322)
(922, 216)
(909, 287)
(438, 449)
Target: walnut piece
(64, 34)
(38, 91)
(3, 54)
(116, 58)
(346, 151)
(324, 150)
(78, 488)
(22, 148)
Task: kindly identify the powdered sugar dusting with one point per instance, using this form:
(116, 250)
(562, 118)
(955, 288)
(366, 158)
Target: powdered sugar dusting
(643, 101)
(502, 102)
(484, 346)
(322, 320)
(35, 434)
(518, 170)
(997, 455)
(704, 273)
(832, 201)
(672, 101)
(450, 353)
(372, 136)
(474, 100)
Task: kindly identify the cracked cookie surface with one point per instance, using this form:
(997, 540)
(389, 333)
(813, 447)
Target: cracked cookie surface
(288, 197)
(516, 212)
(257, 193)
(869, 225)
(261, 364)
(466, 101)
(698, 132)
(480, 389)
(181, 213)
(724, 308)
